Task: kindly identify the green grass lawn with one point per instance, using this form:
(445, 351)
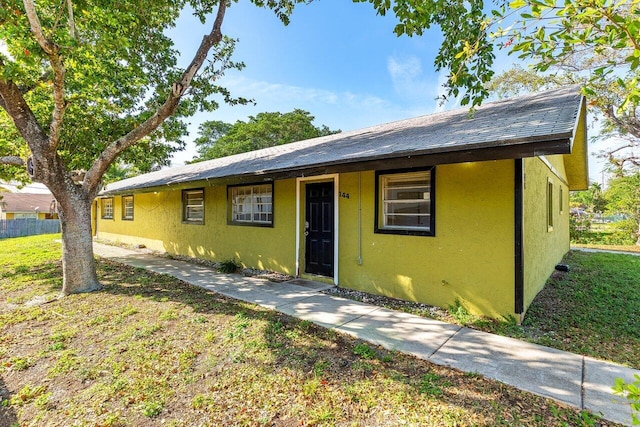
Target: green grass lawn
(592, 310)
(151, 350)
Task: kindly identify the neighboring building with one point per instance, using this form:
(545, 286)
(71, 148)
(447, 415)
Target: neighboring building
(435, 209)
(18, 187)
(25, 205)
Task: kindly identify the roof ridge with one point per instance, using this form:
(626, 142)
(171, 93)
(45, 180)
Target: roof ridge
(545, 115)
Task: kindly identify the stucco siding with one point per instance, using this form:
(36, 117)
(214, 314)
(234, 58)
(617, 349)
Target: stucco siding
(470, 258)
(544, 245)
(158, 225)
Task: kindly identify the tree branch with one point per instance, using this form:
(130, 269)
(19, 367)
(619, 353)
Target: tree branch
(11, 160)
(12, 101)
(631, 126)
(100, 165)
(47, 75)
(52, 51)
(72, 23)
(36, 28)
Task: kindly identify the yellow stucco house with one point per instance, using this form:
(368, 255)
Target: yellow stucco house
(433, 209)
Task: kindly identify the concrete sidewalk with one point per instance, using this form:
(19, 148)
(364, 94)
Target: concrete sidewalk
(579, 381)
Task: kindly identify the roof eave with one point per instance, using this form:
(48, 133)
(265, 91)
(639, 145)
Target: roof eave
(558, 144)
(577, 161)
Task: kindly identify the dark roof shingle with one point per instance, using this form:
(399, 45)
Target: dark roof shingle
(545, 116)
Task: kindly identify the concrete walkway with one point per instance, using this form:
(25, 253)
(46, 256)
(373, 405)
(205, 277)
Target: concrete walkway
(579, 381)
(606, 251)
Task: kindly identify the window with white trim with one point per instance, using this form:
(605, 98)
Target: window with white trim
(106, 208)
(193, 206)
(405, 202)
(251, 204)
(127, 208)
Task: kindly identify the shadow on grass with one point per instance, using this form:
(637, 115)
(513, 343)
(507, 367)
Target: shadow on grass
(309, 367)
(325, 355)
(8, 415)
(287, 351)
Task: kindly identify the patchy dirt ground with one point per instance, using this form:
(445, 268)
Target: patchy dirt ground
(149, 350)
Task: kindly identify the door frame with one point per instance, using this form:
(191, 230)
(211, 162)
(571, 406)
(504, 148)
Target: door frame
(336, 216)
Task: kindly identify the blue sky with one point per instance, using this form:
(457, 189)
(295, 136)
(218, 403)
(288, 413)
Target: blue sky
(336, 59)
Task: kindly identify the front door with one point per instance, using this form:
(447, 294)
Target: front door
(319, 229)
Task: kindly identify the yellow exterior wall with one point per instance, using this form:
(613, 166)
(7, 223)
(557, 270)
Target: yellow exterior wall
(470, 258)
(577, 163)
(543, 247)
(158, 225)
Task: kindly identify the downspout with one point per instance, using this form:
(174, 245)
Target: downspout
(359, 218)
(519, 237)
(297, 227)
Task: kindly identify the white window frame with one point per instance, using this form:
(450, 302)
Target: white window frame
(127, 211)
(251, 204)
(191, 205)
(390, 182)
(106, 208)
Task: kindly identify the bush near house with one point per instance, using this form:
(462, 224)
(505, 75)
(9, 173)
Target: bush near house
(584, 232)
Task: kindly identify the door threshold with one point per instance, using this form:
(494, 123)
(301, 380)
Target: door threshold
(317, 278)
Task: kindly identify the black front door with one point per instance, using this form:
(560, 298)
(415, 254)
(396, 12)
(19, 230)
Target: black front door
(319, 229)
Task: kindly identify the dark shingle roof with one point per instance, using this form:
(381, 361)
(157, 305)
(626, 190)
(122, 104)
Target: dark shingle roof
(525, 120)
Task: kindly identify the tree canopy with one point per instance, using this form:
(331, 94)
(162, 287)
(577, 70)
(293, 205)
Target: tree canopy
(219, 139)
(100, 75)
(85, 82)
(543, 32)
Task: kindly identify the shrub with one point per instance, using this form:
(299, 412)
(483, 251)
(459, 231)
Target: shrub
(364, 351)
(229, 266)
(579, 227)
(625, 232)
(632, 393)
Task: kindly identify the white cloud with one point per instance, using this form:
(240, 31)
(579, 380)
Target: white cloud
(406, 70)
(441, 91)
(410, 82)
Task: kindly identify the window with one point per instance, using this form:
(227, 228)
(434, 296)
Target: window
(251, 204)
(193, 206)
(549, 206)
(405, 202)
(107, 208)
(561, 204)
(127, 208)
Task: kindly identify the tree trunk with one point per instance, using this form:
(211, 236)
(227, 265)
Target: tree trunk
(78, 264)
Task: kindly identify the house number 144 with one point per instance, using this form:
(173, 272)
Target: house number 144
(344, 195)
